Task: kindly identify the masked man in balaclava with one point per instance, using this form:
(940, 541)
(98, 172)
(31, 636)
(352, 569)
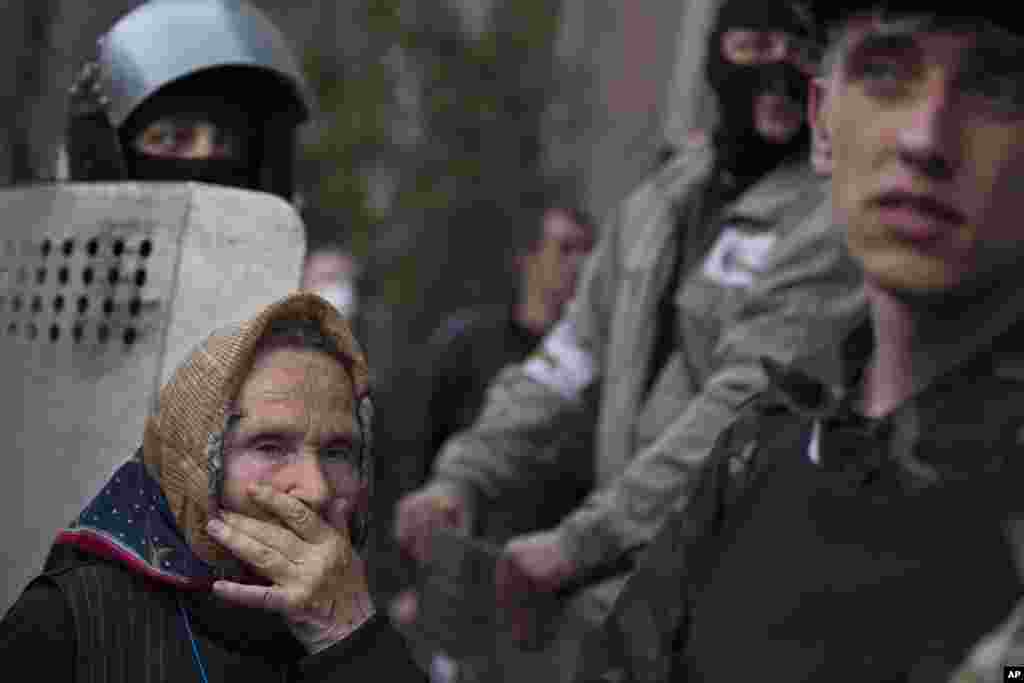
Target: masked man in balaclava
(204, 90)
(710, 264)
(228, 547)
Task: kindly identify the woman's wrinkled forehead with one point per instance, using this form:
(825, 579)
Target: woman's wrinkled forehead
(291, 370)
(298, 392)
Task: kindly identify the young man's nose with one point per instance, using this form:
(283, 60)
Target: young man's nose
(931, 137)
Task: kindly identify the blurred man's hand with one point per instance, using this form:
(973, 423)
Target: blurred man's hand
(531, 570)
(419, 514)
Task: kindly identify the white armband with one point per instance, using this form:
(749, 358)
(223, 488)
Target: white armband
(561, 363)
(737, 258)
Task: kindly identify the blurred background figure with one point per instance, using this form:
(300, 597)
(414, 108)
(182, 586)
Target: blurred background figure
(471, 346)
(331, 271)
(223, 108)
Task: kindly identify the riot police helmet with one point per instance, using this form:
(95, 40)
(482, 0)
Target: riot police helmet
(205, 90)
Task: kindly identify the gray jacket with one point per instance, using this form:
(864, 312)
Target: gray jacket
(772, 282)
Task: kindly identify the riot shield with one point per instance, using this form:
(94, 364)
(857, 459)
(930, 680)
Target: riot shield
(104, 290)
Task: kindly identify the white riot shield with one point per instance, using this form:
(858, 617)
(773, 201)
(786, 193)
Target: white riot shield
(104, 290)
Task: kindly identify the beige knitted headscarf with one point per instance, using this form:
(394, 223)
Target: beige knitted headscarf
(182, 441)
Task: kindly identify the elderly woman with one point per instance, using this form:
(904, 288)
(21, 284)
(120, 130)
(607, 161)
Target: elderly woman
(227, 547)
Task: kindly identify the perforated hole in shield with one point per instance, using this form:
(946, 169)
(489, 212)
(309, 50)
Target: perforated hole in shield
(80, 291)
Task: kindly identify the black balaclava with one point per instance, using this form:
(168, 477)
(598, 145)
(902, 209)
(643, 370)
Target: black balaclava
(739, 148)
(196, 98)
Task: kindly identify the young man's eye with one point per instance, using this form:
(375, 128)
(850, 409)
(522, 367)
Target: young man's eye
(882, 77)
(165, 137)
(161, 135)
(226, 143)
(998, 83)
(879, 70)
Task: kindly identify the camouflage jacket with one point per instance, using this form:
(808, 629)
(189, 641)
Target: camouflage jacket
(963, 425)
(762, 279)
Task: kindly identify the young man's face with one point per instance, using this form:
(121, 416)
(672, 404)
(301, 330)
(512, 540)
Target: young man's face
(556, 260)
(327, 267)
(927, 135)
(297, 433)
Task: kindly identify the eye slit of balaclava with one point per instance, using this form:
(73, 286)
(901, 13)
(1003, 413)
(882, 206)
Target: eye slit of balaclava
(198, 98)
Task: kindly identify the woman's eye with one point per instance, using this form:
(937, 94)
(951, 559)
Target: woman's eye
(335, 454)
(268, 449)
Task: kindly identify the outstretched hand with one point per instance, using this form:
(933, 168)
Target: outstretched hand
(420, 513)
(317, 581)
(530, 572)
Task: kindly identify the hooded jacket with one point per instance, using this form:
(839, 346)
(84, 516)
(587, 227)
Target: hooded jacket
(125, 592)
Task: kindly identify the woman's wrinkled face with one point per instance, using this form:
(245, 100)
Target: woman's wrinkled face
(297, 432)
(927, 134)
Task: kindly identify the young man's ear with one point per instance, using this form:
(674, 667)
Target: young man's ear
(818, 117)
